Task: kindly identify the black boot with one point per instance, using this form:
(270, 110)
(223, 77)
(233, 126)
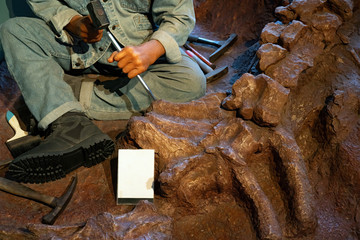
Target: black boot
(74, 141)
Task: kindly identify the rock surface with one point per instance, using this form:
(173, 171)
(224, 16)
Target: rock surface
(275, 155)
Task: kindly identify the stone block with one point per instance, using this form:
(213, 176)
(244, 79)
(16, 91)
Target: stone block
(260, 98)
(270, 105)
(305, 8)
(285, 14)
(245, 94)
(272, 32)
(287, 71)
(343, 7)
(292, 33)
(326, 22)
(269, 54)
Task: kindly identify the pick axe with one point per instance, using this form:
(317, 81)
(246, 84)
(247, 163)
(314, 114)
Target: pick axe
(58, 204)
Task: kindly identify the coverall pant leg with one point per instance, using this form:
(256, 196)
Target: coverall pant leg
(37, 61)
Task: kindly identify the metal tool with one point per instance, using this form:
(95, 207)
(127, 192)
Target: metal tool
(223, 46)
(210, 74)
(101, 21)
(22, 141)
(58, 204)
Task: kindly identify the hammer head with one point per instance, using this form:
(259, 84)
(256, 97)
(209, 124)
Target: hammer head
(98, 15)
(215, 74)
(59, 204)
(224, 47)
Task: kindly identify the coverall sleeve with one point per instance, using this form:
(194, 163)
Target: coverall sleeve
(55, 13)
(176, 20)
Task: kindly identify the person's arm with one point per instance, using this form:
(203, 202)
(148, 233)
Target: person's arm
(56, 14)
(176, 20)
(82, 28)
(135, 60)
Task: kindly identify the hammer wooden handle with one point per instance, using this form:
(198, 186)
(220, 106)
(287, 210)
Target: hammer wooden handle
(206, 69)
(23, 191)
(187, 46)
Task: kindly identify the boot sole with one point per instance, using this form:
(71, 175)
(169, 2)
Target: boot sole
(54, 166)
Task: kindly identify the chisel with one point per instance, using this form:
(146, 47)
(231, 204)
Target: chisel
(101, 21)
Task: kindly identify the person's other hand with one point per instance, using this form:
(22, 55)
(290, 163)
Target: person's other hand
(135, 60)
(82, 27)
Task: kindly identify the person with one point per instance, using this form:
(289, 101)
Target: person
(39, 51)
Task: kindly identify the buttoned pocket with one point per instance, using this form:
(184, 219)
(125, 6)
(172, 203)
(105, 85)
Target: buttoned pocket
(142, 22)
(141, 6)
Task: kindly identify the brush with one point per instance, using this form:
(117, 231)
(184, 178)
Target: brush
(22, 141)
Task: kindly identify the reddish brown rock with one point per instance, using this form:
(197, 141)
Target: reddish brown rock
(269, 108)
(149, 132)
(343, 7)
(209, 175)
(309, 47)
(272, 32)
(327, 23)
(285, 14)
(293, 162)
(287, 71)
(292, 33)
(226, 149)
(340, 115)
(142, 222)
(301, 57)
(305, 8)
(245, 94)
(209, 225)
(270, 54)
(343, 126)
(259, 98)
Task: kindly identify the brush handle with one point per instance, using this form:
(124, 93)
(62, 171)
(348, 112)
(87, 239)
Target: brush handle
(14, 123)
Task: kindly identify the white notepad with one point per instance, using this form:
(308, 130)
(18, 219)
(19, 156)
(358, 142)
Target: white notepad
(135, 176)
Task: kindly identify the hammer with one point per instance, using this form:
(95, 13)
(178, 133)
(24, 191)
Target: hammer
(223, 46)
(58, 204)
(188, 47)
(101, 21)
(210, 74)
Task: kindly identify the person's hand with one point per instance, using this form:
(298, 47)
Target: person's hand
(82, 27)
(135, 60)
